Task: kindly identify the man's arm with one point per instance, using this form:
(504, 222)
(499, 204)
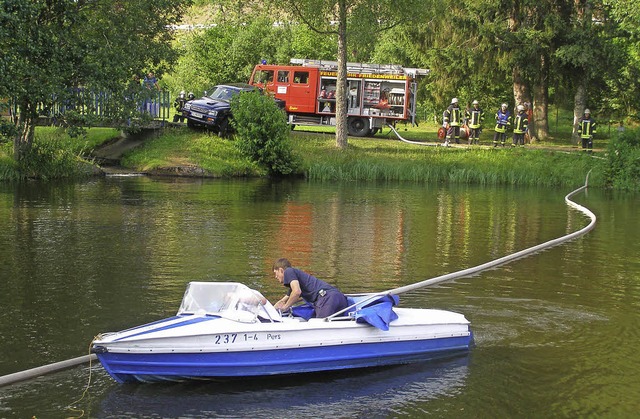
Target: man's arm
(285, 303)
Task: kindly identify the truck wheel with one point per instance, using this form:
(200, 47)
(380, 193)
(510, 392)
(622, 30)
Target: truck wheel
(358, 127)
(223, 129)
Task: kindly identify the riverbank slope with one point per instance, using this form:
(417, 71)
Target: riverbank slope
(382, 158)
(179, 151)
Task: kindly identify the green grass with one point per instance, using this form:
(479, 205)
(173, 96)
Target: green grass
(83, 144)
(383, 158)
(387, 160)
(54, 154)
(184, 148)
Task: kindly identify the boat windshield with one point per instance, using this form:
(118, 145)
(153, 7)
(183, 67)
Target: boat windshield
(218, 298)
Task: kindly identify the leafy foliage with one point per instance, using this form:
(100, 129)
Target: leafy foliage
(228, 52)
(263, 134)
(51, 47)
(623, 162)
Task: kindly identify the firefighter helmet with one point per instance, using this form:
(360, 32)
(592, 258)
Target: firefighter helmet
(454, 100)
(504, 105)
(520, 108)
(475, 102)
(587, 111)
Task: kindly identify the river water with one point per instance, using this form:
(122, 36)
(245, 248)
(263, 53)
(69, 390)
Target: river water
(556, 333)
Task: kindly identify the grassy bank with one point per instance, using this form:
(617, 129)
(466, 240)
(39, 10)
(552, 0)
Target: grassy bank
(388, 160)
(54, 155)
(382, 158)
(185, 148)
(379, 159)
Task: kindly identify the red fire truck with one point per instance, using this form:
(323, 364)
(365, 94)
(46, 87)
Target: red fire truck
(376, 94)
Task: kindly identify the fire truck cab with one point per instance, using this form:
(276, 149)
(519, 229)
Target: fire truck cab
(376, 94)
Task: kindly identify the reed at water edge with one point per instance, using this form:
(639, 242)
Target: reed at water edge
(387, 160)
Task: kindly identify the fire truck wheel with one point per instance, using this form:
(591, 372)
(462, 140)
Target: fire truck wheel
(358, 127)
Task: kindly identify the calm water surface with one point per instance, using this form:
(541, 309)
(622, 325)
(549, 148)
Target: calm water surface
(557, 333)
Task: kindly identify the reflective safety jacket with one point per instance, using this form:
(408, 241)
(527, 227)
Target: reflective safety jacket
(520, 123)
(452, 116)
(474, 117)
(586, 127)
(503, 119)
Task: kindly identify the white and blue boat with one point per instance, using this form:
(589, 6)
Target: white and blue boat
(225, 330)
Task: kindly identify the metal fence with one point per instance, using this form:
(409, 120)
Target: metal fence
(102, 105)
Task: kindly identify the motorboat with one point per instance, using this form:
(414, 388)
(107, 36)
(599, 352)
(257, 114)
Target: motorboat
(226, 330)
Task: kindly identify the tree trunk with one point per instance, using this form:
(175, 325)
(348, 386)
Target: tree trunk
(579, 104)
(520, 89)
(23, 141)
(583, 21)
(341, 84)
(521, 95)
(541, 103)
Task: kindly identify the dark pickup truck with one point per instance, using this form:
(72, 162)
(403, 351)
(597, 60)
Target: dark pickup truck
(213, 110)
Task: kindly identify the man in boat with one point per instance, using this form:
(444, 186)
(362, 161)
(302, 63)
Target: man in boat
(326, 299)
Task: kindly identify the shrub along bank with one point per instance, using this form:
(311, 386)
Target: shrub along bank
(371, 159)
(54, 155)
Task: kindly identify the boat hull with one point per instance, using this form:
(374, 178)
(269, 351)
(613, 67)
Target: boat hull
(212, 348)
(126, 367)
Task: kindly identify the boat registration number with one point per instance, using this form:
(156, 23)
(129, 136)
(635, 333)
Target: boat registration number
(230, 338)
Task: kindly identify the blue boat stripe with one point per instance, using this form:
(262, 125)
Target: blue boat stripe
(188, 321)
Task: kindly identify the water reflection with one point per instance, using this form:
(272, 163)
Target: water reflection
(384, 392)
(553, 331)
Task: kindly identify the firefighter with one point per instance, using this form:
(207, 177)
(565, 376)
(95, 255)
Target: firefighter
(474, 117)
(451, 121)
(503, 120)
(520, 126)
(178, 104)
(586, 129)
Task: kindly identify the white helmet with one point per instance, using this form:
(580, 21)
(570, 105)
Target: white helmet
(475, 102)
(520, 108)
(454, 100)
(504, 105)
(587, 111)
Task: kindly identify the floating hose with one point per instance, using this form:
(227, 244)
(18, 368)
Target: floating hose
(513, 256)
(496, 262)
(45, 369)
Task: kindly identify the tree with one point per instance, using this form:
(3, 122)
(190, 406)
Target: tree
(228, 52)
(346, 18)
(50, 47)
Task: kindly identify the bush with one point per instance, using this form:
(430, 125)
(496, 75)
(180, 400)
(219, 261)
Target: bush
(262, 133)
(49, 158)
(623, 165)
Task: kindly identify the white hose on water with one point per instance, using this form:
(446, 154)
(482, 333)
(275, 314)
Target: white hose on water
(494, 263)
(513, 256)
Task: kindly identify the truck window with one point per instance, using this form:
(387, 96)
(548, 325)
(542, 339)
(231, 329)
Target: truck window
(301, 77)
(283, 76)
(263, 76)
